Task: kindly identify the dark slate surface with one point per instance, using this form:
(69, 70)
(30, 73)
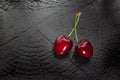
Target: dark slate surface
(28, 29)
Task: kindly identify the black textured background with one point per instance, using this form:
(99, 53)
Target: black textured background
(28, 29)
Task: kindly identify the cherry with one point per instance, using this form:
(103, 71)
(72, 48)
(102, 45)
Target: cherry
(84, 48)
(62, 45)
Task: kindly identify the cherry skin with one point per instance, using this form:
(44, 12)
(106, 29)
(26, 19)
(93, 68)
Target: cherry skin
(62, 45)
(84, 48)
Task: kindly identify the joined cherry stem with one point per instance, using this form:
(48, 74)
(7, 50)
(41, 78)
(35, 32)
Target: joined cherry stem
(77, 18)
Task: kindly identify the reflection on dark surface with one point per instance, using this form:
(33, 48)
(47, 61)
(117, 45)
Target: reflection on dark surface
(28, 30)
(79, 60)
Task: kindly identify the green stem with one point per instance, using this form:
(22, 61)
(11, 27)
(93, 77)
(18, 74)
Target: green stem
(76, 36)
(77, 18)
(73, 29)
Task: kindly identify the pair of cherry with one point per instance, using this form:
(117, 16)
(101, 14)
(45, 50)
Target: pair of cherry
(63, 44)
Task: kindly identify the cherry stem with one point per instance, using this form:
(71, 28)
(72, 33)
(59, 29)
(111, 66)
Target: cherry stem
(73, 29)
(75, 25)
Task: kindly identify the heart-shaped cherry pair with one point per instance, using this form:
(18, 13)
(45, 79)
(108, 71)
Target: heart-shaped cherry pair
(63, 44)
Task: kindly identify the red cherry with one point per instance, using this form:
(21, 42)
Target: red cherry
(84, 49)
(62, 45)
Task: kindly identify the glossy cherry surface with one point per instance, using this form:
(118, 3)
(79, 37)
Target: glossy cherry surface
(84, 48)
(62, 45)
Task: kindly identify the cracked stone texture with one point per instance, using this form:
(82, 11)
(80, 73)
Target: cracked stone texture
(28, 29)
